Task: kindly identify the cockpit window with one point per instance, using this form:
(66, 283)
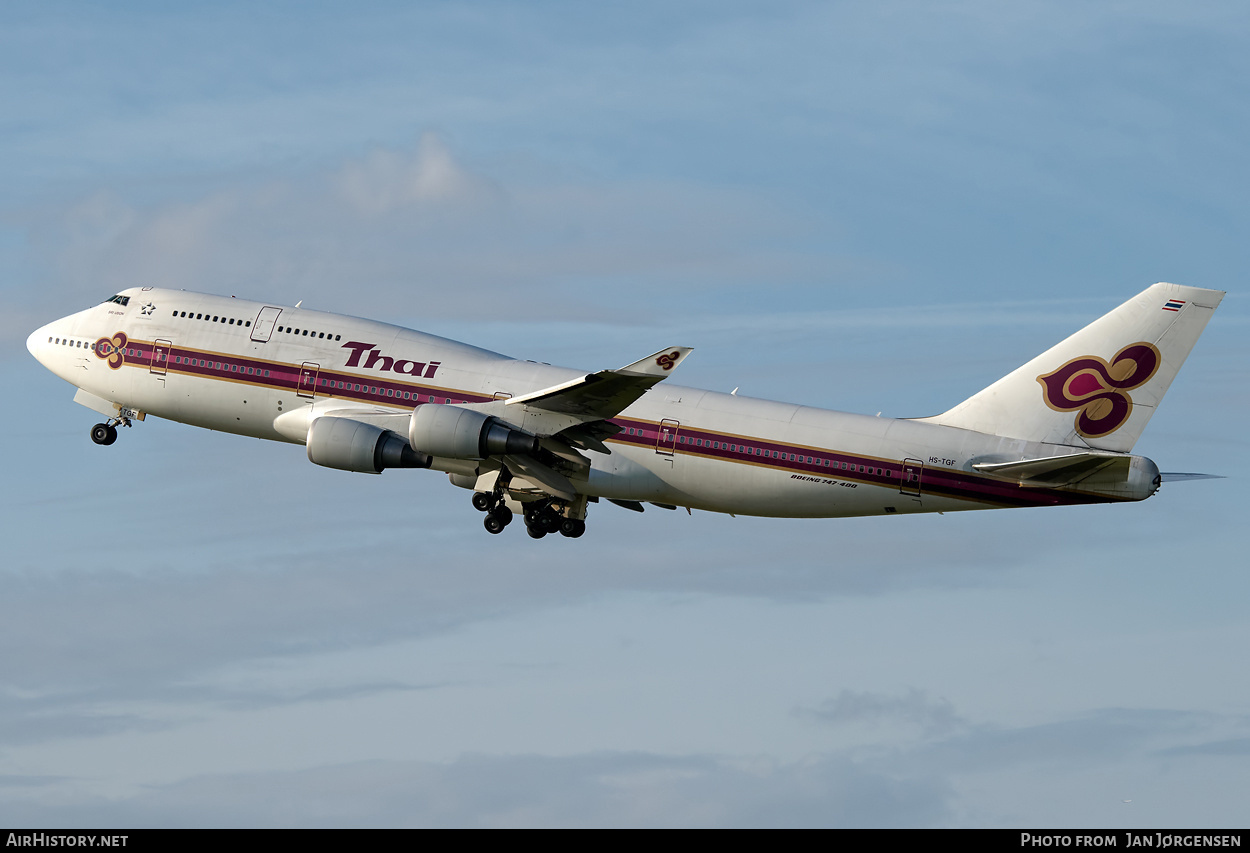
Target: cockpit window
(120, 300)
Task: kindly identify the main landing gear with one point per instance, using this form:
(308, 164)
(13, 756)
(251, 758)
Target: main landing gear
(540, 517)
(498, 516)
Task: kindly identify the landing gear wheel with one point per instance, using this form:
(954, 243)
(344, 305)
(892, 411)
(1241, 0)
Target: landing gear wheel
(549, 522)
(492, 524)
(103, 434)
(572, 527)
(481, 501)
(536, 532)
(502, 514)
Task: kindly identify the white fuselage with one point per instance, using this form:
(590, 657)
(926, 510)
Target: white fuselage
(267, 371)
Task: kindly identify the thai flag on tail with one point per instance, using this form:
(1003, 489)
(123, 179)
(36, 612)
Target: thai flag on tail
(1174, 305)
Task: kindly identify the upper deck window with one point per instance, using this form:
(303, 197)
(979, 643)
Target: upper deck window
(120, 300)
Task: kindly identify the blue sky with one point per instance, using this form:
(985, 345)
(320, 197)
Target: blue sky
(869, 207)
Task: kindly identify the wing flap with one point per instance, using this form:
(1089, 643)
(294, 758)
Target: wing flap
(590, 436)
(553, 481)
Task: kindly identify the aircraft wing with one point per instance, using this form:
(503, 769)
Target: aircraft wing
(602, 395)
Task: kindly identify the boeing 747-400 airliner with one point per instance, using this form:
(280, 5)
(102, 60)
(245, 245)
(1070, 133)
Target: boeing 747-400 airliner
(542, 441)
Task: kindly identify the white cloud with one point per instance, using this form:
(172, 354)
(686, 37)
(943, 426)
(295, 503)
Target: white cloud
(385, 181)
(415, 232)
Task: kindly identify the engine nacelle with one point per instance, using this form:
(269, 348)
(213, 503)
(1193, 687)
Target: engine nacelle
(444, 430)
(352, 445)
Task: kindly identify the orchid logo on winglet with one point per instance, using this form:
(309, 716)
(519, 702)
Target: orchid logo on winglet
(669, 359)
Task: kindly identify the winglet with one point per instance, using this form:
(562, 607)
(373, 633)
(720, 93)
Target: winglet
(597, 396)
(658, 363)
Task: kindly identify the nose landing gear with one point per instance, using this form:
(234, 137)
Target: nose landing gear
(106, 434)
(103, 434)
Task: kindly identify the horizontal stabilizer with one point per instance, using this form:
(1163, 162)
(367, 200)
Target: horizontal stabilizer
(605, 394)
(1051, 471)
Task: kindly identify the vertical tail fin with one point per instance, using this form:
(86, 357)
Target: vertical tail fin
(1099, 387)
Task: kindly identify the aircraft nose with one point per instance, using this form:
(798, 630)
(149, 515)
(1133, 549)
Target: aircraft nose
(37, 343)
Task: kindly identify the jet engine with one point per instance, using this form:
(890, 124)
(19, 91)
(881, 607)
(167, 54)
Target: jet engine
(352, 445)
(460, 433)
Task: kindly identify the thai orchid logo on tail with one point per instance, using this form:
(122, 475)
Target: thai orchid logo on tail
(1098, 389)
